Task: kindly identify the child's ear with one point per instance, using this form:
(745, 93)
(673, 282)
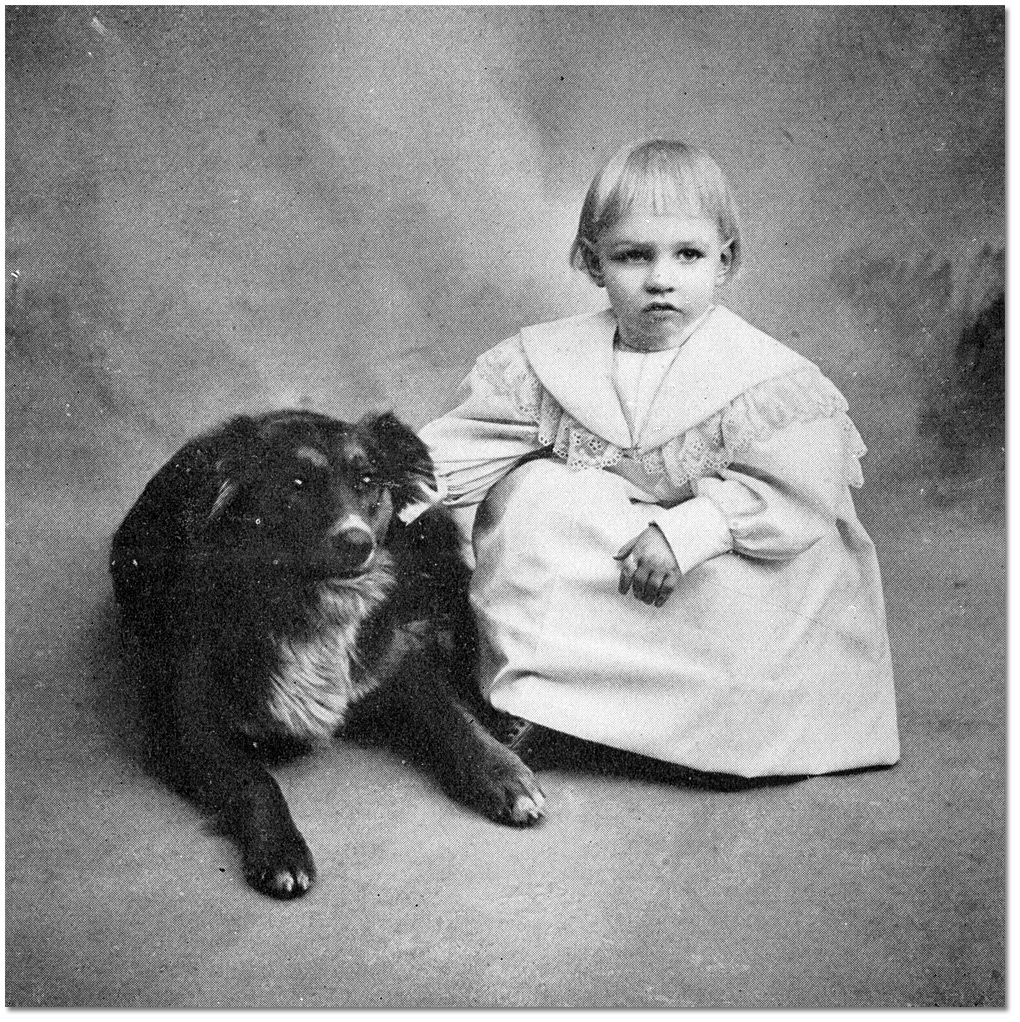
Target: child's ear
(722, 274)
(593, 264)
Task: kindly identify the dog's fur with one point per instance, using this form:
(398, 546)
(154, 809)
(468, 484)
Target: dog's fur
(274, 592)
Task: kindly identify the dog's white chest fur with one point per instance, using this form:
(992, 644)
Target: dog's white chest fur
(317, 678)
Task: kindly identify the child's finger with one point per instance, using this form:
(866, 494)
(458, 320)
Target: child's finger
(640, 584)
(627, 569)
(652, 586)
(625, 550)
(666, 589)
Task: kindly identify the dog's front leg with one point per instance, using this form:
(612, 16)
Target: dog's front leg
(215, 769)
(467, 761)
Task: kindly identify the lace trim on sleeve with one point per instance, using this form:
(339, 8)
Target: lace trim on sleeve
(801, 396)
(711, 445)
(716, 442)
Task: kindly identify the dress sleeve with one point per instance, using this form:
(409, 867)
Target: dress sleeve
(483, 437)
(792, 455)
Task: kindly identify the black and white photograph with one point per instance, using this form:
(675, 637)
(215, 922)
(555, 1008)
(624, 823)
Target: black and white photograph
(505, 507)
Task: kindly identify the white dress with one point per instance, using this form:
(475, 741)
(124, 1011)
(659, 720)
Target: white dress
(771, 657)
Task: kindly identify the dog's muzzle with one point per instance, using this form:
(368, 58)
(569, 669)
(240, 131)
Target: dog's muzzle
(353, 543)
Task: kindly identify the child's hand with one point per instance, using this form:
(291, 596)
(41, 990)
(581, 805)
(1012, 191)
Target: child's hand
(647, 566)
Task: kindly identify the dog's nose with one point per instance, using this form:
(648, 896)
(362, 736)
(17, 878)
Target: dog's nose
(356, 544)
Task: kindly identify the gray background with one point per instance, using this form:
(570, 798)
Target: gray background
(212, 210)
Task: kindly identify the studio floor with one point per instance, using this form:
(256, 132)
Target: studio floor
(881, 889)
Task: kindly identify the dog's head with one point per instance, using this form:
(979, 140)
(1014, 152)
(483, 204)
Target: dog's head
(316, 494)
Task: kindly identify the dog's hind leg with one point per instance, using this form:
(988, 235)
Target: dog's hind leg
(210, 766)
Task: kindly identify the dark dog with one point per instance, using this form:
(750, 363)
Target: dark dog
(274, 592)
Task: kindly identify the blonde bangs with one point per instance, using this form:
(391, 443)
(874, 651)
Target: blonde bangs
(670, 179)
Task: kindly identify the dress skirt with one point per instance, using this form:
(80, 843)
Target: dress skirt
(753, 667)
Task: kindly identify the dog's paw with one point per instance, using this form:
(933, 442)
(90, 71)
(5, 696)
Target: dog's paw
(284, 871)
(507, 791)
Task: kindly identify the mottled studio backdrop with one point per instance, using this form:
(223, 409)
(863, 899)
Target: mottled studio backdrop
(218, 209)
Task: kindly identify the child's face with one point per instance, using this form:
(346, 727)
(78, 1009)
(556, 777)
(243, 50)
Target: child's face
(660, 273)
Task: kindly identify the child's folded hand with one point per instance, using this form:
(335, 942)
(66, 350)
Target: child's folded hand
(648, 567)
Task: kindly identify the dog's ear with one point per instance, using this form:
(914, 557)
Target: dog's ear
(227, 492)
(404, 459)
(232, 448)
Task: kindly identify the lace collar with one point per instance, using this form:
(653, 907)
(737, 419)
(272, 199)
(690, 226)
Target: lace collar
(722, 358)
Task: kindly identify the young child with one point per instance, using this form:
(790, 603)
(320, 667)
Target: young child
(668, 559)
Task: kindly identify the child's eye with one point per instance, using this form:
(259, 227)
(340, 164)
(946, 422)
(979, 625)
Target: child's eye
(690, 255)
(629, 255)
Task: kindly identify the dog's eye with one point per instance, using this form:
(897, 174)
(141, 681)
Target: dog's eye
(297, 484)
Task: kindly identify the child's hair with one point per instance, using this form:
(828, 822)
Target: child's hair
(666, 175)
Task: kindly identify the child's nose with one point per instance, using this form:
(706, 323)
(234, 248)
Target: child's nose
(658, 278)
